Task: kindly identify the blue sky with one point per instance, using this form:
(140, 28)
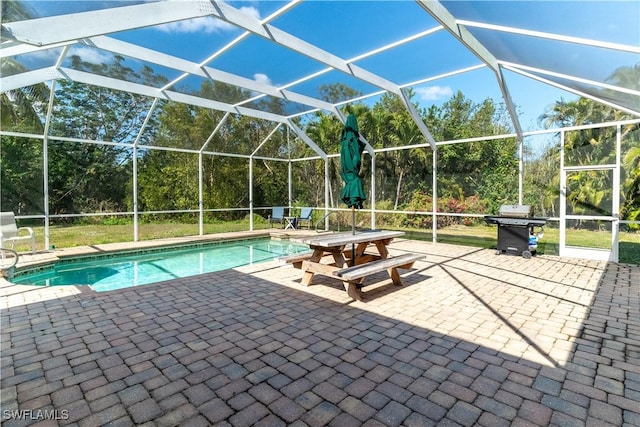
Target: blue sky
(349, 29)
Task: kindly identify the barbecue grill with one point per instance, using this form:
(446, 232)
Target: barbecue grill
(515, 226)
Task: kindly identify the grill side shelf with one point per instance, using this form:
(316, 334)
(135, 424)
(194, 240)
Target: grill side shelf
(524, 222)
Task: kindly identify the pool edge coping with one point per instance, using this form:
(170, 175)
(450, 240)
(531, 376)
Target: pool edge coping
(43, 259)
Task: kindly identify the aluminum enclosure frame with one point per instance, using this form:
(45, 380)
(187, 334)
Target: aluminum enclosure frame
(93, 29)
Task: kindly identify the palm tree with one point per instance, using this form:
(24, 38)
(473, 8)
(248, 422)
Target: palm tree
(325, 131)
(630, 209)
(405, 132)
(626, 77)
(17, 106)
(591, 190)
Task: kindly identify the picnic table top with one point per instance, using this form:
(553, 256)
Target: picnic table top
(347, 237)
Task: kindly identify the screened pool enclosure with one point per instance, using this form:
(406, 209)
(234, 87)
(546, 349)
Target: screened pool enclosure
(200, 110)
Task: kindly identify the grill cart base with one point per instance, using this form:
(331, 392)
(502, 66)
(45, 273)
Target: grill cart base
(515, 225)
(515, 240)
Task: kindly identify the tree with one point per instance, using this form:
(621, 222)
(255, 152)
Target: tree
(487, 169)
(542, 181)
(382, 124)
(21, 160)
(626, 77)
(169, 180)
(404, 131)
(93, 177)
(591, 191)
(18, 112)
(21, 175)
(337, 92)
(324, 130)
(630, 209)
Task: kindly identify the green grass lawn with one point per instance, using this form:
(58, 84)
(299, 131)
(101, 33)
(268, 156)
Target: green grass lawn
(486, 237)
(477, 236)
(96, 234)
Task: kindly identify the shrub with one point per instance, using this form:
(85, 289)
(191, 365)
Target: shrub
(422, 202)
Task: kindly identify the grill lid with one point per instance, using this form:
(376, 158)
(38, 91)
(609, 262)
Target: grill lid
(516, 211)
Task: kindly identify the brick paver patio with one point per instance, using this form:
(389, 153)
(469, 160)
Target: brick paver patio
(472, 338)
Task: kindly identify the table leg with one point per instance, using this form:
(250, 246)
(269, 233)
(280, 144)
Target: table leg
(338, 257)
(384, 253)
(307, 276)
(352, 290)
(381, 245)
(360, 257)
(395, 276)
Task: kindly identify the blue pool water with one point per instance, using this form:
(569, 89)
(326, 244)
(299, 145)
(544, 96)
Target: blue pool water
(131, 269)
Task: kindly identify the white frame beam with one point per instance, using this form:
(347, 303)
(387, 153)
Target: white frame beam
(93, 28)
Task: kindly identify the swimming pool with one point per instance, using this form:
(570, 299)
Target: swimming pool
(106, 273)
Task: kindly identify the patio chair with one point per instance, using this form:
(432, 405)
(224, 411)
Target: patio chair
(305, 217)
(10, 233)
(277, 215)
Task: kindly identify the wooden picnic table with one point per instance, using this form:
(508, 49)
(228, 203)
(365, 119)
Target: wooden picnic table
(345, 256)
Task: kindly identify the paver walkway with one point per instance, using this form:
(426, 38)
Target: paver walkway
(471, 338)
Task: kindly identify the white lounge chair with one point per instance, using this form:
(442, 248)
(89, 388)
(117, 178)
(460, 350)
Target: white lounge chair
(10, 233)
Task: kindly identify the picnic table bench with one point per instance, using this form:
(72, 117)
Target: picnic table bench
(353, 276)
(295, 259)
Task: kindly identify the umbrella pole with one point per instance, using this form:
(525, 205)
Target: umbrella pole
(353, 231)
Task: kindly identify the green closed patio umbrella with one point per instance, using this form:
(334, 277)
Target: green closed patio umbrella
(351, 149)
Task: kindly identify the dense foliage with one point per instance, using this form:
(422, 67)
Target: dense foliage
(589, 192)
